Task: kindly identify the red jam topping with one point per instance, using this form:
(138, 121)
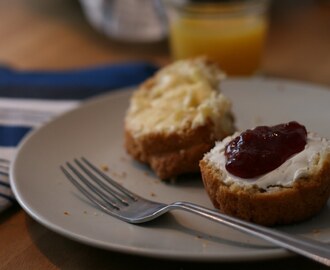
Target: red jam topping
(263, 149)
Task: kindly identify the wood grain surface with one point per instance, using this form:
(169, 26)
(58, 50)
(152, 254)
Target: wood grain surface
(54, 34)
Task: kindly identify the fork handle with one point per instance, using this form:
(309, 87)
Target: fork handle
(312, 249)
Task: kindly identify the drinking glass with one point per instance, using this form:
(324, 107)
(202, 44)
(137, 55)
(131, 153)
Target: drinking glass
(232, 33)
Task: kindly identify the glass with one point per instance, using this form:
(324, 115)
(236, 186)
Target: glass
(127, 20)
(231, 33)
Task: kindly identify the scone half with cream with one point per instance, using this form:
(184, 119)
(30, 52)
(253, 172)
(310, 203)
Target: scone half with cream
(176, 116)
(283, 180)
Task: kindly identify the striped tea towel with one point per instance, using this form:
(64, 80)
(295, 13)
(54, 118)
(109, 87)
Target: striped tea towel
(30, 98)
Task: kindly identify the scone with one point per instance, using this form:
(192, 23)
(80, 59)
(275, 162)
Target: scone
(293, 191)
(176, 116)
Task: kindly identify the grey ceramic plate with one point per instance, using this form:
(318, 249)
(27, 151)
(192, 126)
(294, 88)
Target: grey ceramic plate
(95, 130)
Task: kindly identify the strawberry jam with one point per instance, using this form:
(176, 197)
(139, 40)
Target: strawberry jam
(263, 149)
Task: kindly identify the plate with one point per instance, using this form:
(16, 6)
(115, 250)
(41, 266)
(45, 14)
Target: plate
(95, 130)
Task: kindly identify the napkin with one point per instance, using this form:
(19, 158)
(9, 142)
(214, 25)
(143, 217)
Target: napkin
(28, 99)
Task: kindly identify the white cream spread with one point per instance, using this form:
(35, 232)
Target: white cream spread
(183, 95)
(298, 166)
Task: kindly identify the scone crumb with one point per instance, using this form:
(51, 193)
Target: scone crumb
(104, 168)
(119, 174)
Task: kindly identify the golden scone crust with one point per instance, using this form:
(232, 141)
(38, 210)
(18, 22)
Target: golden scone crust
(287, 205)
(171, 154)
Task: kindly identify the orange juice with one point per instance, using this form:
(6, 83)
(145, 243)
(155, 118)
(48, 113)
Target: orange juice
(235, 42)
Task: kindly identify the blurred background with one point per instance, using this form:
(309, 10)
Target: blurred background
(56, 34)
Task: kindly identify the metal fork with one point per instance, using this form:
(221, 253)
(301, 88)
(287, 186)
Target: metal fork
(123, 204)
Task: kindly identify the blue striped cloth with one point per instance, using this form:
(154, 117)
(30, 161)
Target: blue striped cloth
(28, 99)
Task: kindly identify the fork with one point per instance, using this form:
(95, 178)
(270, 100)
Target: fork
(123, 204)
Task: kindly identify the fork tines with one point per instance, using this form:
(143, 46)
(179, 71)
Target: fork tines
(97, 186)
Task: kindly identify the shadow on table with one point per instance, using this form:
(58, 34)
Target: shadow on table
(6, 214)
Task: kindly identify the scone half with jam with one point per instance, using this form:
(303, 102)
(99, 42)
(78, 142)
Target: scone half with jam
(269, 175)
(176, 116)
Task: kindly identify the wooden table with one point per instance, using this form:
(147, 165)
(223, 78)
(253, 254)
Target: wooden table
(53, 34)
